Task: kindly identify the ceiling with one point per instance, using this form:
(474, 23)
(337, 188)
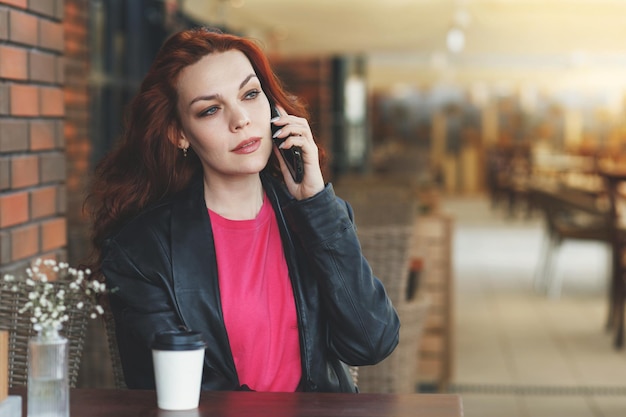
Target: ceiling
(550, 43)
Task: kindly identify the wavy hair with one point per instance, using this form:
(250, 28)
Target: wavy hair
(146, 166)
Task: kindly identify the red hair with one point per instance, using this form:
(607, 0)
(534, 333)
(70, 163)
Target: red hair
(146, 164)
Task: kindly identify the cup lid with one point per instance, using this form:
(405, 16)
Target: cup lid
(178, 340)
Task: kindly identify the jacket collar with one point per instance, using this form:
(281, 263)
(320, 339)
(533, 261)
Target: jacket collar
(194, 268)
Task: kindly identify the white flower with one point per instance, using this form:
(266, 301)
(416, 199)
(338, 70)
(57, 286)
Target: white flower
(49, 285)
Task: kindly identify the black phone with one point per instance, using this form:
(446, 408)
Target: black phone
(291, 156)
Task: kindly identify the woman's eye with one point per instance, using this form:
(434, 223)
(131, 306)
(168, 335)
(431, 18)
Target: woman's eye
(252, 94)
(208, 112)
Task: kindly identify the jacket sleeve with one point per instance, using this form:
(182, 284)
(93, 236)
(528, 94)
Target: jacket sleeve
(363, 325)
(142, 308)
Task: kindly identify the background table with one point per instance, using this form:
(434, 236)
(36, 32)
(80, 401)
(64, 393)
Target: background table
(135, 403)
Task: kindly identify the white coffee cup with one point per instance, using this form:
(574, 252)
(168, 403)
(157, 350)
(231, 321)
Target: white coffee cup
(178, 358)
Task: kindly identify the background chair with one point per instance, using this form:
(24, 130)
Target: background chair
(569, 216)
(21, 330)
(615, 182)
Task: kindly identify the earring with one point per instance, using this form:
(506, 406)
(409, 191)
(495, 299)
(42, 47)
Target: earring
(185, 152)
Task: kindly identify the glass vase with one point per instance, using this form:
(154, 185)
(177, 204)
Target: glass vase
(48, 381)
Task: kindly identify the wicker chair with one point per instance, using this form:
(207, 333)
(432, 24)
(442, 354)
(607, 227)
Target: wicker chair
(386, 216)
(116, 361)
(398, 372)
(20, 330)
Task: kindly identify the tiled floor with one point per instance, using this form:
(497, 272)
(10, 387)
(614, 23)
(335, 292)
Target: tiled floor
(519, 353)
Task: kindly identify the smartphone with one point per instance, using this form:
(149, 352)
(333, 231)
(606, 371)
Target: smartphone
(291, 156)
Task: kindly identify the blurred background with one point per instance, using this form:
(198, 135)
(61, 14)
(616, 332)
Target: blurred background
(464, 112)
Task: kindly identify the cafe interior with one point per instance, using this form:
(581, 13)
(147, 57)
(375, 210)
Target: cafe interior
(482, 146)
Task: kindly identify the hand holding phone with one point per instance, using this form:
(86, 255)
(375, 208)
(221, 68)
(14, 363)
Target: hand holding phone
(291, 156)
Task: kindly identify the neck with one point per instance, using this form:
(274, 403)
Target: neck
(240, 199)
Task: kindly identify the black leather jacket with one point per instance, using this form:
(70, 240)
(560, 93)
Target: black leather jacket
(162, 264)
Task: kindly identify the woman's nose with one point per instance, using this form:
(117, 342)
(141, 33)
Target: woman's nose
(239, 118)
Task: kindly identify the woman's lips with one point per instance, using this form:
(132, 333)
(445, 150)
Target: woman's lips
(247, 146)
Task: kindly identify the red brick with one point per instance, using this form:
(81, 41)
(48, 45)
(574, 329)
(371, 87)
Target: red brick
(51, 35)
(13, 63)
(4, 24)
(70, 133)
(42, 135)
(13, 209)
(81, 165)
(72, 12)
(60, 70)
(73, 47)
(53, 234)
(45, 7)
(59, 9)
(73, 183)
(60, 140)
(76, 29)
(5, 173)
(53, 167)
(13, 135)
(5, 98)
(24, 100)
(5, 247)
(24, 242)
(76, 97)
(43, 202)
(16, 3)
(42, 67)
(23, 28)
(61, 199)
(24, 171)
(52, 101)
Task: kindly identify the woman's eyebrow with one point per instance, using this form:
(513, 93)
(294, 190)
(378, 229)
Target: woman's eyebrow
(245, 81)
(213, 96)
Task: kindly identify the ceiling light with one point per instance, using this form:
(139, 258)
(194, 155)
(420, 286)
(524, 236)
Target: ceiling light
(455, 40)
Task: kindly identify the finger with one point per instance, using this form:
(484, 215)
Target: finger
(290, 130)
(293, 140)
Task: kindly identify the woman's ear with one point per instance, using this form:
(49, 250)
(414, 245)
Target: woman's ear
(177, 138)
(183, 143)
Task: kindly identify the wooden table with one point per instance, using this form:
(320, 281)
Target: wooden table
(135, 403)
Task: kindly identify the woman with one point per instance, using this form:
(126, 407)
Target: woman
(217, 237)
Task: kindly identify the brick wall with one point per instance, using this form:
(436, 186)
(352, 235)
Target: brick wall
(76, 132)
(32, 147)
